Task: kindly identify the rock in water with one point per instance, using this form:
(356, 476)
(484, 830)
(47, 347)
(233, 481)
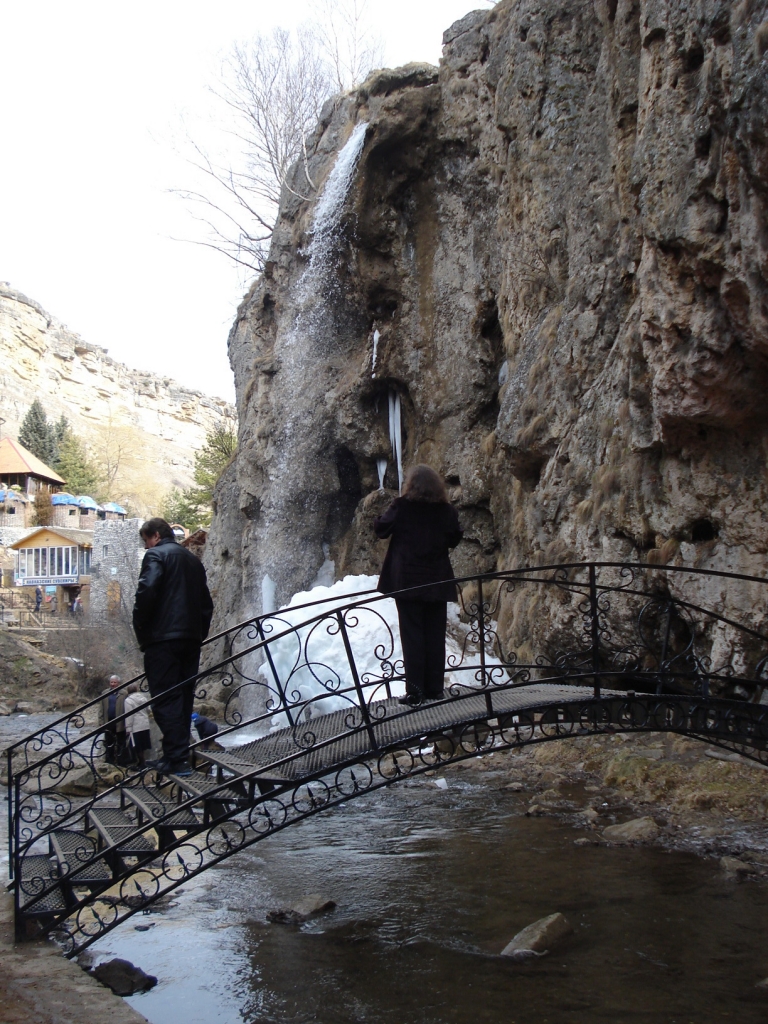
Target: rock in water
(302, 910)
(639, 830)
(123, 978)
(734, 867)
(540, 937)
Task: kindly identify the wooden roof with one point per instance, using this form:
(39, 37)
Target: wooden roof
(14, 458)
(83, 538)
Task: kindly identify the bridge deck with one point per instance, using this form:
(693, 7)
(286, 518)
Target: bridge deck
(391, 723)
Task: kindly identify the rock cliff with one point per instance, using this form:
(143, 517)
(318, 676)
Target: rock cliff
(548, 260)
(41, 358)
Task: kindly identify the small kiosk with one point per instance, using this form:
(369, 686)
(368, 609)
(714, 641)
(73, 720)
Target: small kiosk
(56, 559)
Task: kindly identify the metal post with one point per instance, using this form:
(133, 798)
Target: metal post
(11, 805)
(356, 680)
(664, 646)
(481, 630)
(276, 677)
(594, 625)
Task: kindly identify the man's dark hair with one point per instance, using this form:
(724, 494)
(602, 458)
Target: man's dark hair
(157, 525)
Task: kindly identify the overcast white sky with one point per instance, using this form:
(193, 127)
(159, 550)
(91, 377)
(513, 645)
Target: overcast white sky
(93, 95)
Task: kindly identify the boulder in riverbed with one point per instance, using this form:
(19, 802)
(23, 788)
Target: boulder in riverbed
(735, 868)
(540, 937)
(639, 830)
(302, 910)
(123, 978)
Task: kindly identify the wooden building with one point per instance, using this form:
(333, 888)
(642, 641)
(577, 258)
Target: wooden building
(56, 559)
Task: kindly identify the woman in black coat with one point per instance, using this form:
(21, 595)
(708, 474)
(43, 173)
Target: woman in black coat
(422, 526)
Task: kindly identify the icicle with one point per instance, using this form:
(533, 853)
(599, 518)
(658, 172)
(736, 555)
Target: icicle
(396, 434)
(268, 590)
(376, 337)
(381, 466)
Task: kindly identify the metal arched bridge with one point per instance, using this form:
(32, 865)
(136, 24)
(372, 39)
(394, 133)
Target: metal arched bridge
(312, 720)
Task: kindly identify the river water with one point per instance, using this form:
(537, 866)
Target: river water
(431, 884)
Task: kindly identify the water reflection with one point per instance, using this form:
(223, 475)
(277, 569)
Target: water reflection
(430, 886)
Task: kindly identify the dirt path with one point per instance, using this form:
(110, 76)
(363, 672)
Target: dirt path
(39, 986)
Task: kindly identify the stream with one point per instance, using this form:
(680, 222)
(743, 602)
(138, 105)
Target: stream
(430, 885)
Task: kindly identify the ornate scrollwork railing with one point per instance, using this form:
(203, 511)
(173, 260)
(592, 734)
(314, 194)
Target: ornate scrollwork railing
(309, 720)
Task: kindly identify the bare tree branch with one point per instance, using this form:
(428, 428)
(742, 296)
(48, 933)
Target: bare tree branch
(272, 91)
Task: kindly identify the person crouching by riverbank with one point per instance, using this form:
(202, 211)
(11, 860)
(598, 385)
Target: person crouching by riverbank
(422, 526)
(206, 730)
(138, 738)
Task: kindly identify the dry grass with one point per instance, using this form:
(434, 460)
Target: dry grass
(663, 554)
(532, 432)
(488, 445)
(606, 482)
(584, 510)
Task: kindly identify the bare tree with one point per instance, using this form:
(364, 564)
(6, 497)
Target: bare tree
(273, 90)
(351, 47)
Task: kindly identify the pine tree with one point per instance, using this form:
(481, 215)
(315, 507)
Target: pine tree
(37, 434)
(193, 507)
(80, 474)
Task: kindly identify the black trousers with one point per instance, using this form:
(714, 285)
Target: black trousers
(422, 634)
(167, 664)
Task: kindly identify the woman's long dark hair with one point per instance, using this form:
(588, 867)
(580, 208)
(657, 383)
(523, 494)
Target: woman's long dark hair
(422, 483)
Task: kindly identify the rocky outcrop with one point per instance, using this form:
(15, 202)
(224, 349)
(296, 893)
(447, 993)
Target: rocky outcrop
(162, 423)
(552, 257)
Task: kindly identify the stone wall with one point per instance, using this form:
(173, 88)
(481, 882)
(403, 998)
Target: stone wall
(41, 358)
(559, 242)
(115, 563)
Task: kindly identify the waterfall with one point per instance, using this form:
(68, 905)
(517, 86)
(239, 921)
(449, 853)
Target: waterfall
(330, 205)
(381, 466)
(376, 337)
(396, 435)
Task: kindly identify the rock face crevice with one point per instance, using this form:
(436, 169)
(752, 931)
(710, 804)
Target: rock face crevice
(557, 244)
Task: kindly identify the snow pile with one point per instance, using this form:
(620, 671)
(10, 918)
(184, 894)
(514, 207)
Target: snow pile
(312, 663)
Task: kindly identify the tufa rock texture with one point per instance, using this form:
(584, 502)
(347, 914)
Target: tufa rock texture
(41, 358)
(560, 238)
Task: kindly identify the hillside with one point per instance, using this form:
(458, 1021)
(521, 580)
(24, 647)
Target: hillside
(104, 401)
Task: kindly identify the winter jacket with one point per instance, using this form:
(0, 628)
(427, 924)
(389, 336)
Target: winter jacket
(205, 727)
(139, 720)
(421, 534)
(172, 600)
(112, 706)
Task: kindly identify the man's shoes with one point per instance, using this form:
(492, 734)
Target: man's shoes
(436, 696)
(164, 767)
(410, 700)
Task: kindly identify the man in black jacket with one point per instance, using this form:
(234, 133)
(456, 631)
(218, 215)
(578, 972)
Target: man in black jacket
(171, 617)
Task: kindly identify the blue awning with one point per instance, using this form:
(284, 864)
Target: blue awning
(84, 501)
(111, 506)
(62, 498)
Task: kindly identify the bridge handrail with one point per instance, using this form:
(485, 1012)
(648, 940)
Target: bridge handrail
(580, 670)
(359, 595)
(360, 598)
(75, 718)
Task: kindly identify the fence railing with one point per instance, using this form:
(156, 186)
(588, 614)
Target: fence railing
(311, 674)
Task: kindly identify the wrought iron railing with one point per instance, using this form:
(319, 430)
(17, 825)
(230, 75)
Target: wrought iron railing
(534, 654)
